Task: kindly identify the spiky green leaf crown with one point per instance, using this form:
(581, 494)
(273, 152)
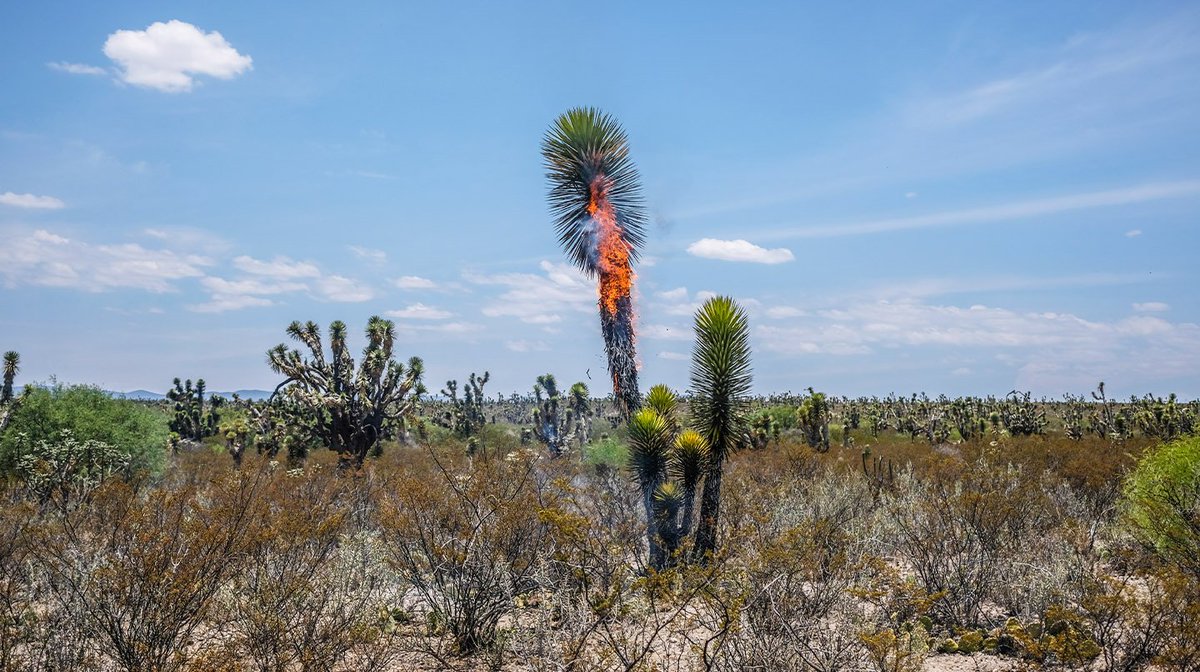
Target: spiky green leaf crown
(721, 375)
(581, 144)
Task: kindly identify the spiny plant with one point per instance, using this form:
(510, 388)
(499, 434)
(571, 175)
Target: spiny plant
(8, 402)
(688, 463)
(596, 201)
(555, 425)
(192, 419)
(813, 418)
(352, 409)
(650, 442)
(720, 384)
(465, 416)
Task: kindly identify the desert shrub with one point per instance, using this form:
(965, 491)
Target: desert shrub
(1163, 502)
(465, 536)
(90, 414)
(137, 572)
(311, 590)
(606, 453)
(66, 469)
(960, 535)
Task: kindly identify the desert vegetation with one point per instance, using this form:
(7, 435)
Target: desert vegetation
(353, 521)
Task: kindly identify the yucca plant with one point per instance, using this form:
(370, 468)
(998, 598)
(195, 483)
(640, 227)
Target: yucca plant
(351, 409)
(689, 460)
(649, 451)
(720, 384)
(8, 402)
(596, 201)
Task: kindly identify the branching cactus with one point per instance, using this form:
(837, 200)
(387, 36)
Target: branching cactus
(193, 418)
(352, 407)
(813, 418)
(558, 419)
(465, 416)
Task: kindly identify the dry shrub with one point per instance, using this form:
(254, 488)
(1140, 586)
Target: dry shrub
(961, 537)
(137, 573)
(312, 590)
(466, 538)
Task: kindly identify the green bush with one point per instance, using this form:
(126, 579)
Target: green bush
(1163, 499)
(89, 414)
(607, 452)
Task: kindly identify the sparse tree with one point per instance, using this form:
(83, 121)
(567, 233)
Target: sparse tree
(352, 408)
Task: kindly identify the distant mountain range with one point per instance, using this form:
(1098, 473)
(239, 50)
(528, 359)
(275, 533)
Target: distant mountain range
(147, 395)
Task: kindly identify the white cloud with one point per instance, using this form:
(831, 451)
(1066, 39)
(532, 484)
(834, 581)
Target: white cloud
(1004, 212)
(527, 346)
(76, 68)
(420, 311)
(677, 294)
(369, 254)
(538, 299)
(1151, 307)
(672, 356)
(220, 304)
(166, 56)
(343, 290)
(281, 268)
(31, 201)
(44, 258)
(910, 195)
(1051, 350)
(414, 282)
(1133, 233)
(738, 250)
(781, 312)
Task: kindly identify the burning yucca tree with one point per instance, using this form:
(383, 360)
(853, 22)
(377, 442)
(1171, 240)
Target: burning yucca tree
(596, 200)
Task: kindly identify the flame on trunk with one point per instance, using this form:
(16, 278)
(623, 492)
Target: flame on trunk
(611, 257)
(612, 254)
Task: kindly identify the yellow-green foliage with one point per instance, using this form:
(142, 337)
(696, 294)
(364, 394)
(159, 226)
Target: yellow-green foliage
(1163, 499)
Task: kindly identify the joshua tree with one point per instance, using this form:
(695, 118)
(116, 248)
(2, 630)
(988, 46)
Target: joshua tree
(192, 420)
(580, 404)
(554, 425)
(352, 409)
(721, 380)
(596, 202)
(813, 418)
(465, 416)
(9, 403)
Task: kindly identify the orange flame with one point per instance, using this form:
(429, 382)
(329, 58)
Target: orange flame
(616, 275)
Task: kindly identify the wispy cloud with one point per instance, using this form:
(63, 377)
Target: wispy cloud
(738, 250)
(538, 299)
(76, 68)
(368, 254)
(1040, 207)
(420, 311)
(44, 258)
(414, 282)
(31, 201)
(1151, 307)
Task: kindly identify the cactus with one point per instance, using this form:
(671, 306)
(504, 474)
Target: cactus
(555, 425)
(465, 416)
(813, 419)
(191, 419)
(351, 409)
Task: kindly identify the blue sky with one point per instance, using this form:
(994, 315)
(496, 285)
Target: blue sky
(948, 197)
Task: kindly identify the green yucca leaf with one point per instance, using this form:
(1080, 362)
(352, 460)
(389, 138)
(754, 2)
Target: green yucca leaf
(721, 375)
(649, 445)
(582, 144)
